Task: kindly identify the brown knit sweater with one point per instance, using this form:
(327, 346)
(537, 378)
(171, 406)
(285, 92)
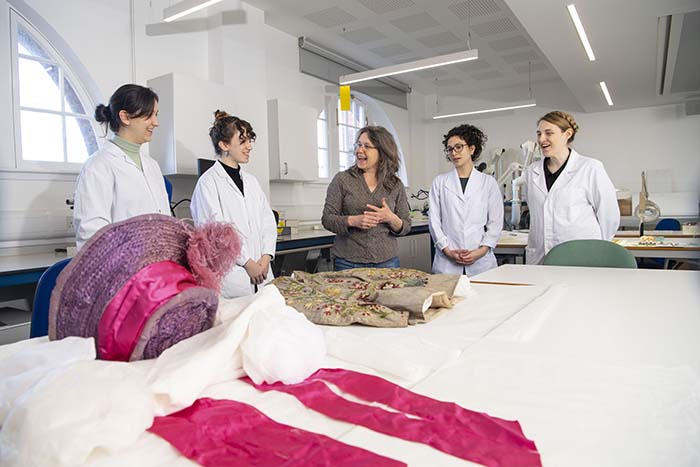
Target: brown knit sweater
(348, 195)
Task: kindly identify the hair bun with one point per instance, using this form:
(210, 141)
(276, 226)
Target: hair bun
(103, 113)
(220, 114)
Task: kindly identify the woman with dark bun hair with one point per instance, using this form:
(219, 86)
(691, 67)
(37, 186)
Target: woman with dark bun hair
(118, 182)
(466, 208)
(570, 196)
(227, 193)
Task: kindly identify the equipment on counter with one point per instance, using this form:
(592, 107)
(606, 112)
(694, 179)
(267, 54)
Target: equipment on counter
(529, 153)
(647, 210)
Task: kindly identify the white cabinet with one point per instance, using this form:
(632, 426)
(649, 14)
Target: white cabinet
(186, 113)
(414, 252)
(292, 139)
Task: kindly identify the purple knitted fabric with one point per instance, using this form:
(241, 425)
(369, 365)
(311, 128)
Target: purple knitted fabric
(104, 265)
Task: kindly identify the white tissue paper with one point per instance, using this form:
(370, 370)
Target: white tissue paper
(282, 345)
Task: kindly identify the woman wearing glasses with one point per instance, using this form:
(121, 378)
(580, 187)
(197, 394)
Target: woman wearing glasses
(466, 208)
(226, 193)
(366, 205)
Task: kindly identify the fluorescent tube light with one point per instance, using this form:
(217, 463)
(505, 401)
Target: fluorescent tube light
(185, 7)
(408, 67)
(604, 88)
(581, 32)
(522, 105)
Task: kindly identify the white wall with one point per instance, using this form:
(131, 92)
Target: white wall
(626, 141)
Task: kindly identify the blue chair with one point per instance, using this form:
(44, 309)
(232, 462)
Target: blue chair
(168, 188)
(668, 224)
(590, 253)
(42, 298)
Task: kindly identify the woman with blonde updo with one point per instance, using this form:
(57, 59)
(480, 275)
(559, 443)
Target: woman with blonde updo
(570, 196)
(226, 193)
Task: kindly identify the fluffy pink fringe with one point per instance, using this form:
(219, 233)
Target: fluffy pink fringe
(211, 252)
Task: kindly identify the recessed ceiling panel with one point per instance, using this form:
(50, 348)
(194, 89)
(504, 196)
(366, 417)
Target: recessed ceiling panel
(509, 43)
(439, 40)
(390, 50)
(363, 36)
(491, 28)
(415, 22)
(330, 17)
(477, 8)
(384, 6)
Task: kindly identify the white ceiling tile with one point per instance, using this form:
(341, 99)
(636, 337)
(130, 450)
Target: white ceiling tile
(528, 55)
(415, 22)
(536, 68)
(476, 8)
(363, 35)
(384, 6)
(509, 43)
(390, 50)
(330, 17)
(491, 74)
(498, 26)
(439, 40)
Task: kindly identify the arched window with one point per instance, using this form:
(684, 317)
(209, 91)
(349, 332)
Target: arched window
(334, 158)
(53, 126)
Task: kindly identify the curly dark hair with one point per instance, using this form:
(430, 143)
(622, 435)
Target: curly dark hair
(472, 135)
(225, 126)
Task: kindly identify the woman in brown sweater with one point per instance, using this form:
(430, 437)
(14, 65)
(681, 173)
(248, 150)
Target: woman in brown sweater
(366, 205)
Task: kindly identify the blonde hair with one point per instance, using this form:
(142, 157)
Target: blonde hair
(562, 120)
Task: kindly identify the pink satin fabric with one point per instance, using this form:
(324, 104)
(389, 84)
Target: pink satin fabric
(127, 313)
(226, 433)
(469, 435)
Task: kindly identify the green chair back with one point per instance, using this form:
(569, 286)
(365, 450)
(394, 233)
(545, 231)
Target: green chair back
(590, 253)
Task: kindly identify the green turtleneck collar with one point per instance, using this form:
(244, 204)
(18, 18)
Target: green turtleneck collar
(130, 149)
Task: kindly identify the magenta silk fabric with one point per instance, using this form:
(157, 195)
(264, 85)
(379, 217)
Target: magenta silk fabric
(127, 313)
(469, 435)
(226, 433)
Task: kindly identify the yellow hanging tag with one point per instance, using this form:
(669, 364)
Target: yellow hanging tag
(344, 97)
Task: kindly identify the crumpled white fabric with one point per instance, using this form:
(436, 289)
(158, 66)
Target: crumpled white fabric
(31, 361)
(464, 287)
(282, 345)
(181, 372)
(75, 410)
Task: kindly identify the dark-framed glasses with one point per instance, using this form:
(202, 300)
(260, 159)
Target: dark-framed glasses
(456, 148)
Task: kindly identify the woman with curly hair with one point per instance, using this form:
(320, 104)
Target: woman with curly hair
(466, 208)
(366, 205)
(227, 193)
(570, 196)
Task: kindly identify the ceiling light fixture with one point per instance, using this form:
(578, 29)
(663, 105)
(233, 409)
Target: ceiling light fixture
(521, 105)
(408, 67)
(518, 105)
(185, 7)
(604, 88)
(581, 32)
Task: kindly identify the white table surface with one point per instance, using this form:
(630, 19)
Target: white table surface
(608, 376)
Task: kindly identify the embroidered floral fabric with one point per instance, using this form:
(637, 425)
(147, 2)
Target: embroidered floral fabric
(367, 295)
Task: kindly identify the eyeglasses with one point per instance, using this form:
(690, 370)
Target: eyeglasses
(366, 146)
(246, 140)
(456, 148)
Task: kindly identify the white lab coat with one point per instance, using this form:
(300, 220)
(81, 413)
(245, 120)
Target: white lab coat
(217, 198)
(581, 205)
(465, 220)
(111, 188)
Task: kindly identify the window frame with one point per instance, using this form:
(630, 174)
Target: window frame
(65, 73)
(332, 109)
